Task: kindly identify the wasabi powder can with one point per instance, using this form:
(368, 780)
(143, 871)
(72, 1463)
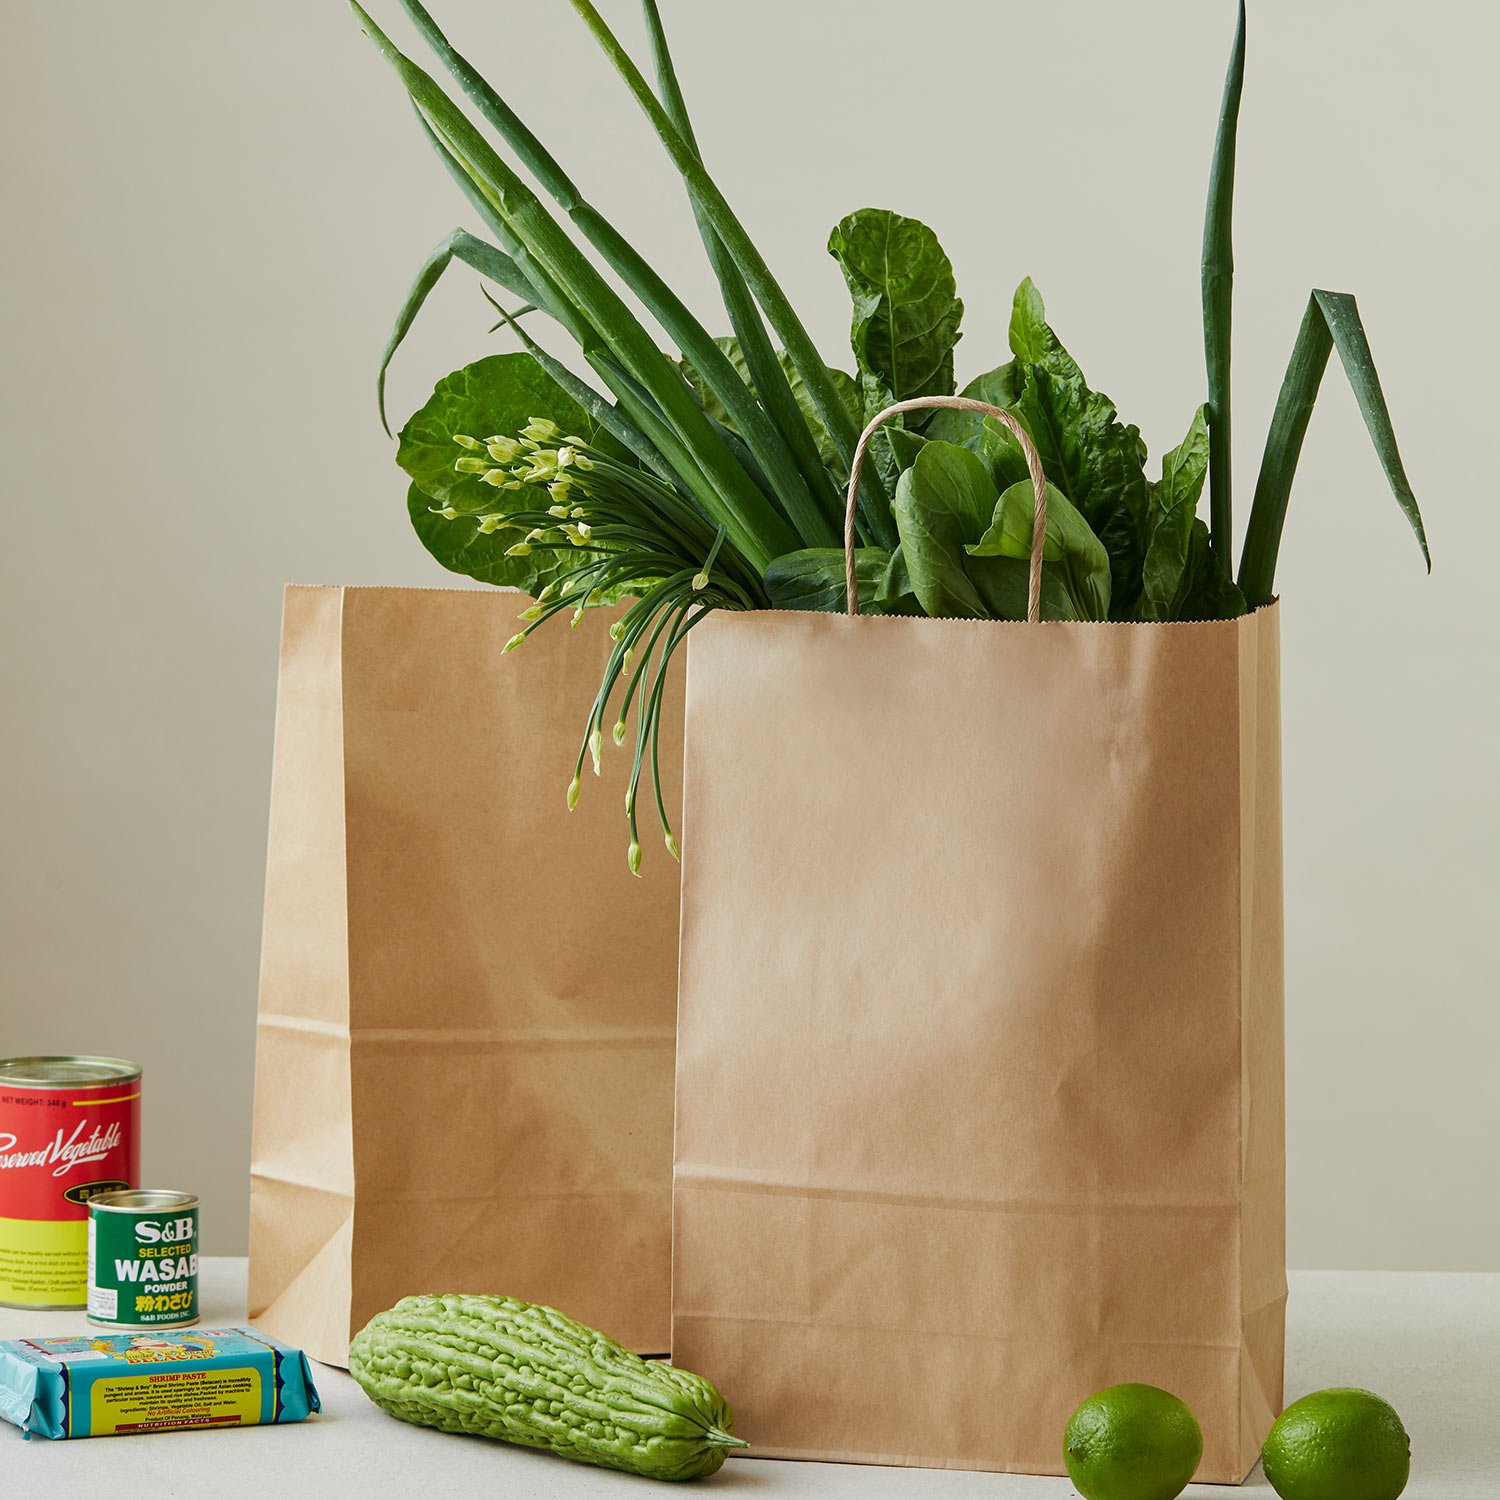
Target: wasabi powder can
(143, 1259)
(69, 1131)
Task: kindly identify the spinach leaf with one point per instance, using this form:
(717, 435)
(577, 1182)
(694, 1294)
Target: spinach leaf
(1075, 566)
(1182, 578)
(1207, 592)
(1097, 461)
(813, 579)
(944, 501)
(1173, 507)
(988, 438)
(906, 307)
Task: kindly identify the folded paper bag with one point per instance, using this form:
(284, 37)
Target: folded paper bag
(465, 1049)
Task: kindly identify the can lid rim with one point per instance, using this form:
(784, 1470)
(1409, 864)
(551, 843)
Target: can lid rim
(156, 1199)
(43, 1071)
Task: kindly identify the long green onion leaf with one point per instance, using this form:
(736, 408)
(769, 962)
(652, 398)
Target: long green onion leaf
(1218, 303)
(757, 528)
(766, 371)
(1331, 321)
(778, 309)
(460, 245)
(759, 431)
(606, 416)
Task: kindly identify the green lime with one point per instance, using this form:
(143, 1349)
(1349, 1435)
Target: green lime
(1342, 1444)
(1132, 1442)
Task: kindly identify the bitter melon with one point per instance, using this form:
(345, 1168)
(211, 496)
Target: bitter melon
(526, 1374)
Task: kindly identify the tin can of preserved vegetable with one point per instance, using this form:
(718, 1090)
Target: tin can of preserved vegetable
(69, 1131)
(143, 1259)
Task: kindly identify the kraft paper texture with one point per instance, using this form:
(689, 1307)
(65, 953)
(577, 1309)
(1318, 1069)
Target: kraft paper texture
(464, 1059)
(980, 1084)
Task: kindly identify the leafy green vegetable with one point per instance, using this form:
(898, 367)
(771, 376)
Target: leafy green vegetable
(906, 317)
(707, 476)
(906, 308)
(944, 501)
(814, 579)
(1075, 566)
(998, 387)
(1332, 320)
(1173, 507)
(1098, 462)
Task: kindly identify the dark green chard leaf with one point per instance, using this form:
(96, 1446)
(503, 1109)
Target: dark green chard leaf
(906, 307)
(1075, 566)
(813, 579)
(1332, 320)
(1096, 460)
(906, 317)
(944, 501)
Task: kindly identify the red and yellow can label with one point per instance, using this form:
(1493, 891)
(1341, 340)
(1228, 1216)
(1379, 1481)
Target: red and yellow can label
(59, 1147)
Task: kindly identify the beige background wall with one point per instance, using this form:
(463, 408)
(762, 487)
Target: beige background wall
(211, 212)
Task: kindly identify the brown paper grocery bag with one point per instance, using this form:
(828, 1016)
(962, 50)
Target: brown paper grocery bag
(979, 1090)
(464, 1064)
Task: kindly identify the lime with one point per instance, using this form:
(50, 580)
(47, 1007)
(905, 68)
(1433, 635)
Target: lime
(1342, 1444)
(1132, 1442)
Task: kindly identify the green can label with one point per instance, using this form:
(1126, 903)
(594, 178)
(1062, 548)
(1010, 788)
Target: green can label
(143, 1259)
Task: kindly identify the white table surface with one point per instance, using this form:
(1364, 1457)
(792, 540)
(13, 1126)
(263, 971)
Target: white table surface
(1429, 1343)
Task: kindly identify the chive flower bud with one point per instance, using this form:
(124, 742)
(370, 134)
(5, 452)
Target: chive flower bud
(575, 791)
(619, 731)
(633, 857)
(465, 441)
(491, 523)
(521, 549)
(673, 848)
(447, 512)
(577, 617)
(596, 745)
(532, 613)
(540, 428)
(559, 511)
(469, 465)
(617, 630)
(700, 581)
(513, 642)
(503, 450)
(500, 478)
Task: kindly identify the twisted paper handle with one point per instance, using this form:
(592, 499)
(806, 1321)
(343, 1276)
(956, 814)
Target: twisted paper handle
(1033, 465)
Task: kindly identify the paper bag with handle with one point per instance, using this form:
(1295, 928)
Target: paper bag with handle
(464, 1067)
(979, 1088)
